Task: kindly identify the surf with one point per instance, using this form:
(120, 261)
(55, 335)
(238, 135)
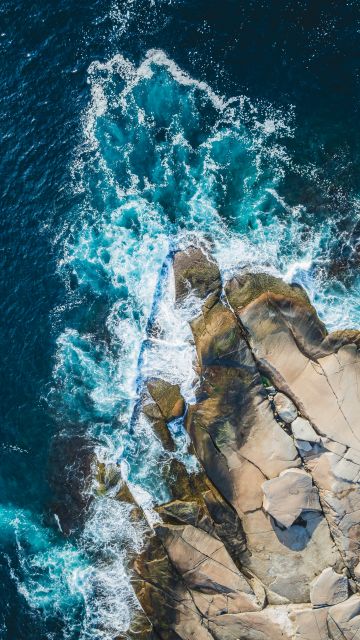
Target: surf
(164, 162)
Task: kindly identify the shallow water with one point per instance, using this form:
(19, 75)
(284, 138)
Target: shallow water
(130, 130)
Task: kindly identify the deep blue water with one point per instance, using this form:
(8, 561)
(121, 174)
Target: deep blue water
(128, 129)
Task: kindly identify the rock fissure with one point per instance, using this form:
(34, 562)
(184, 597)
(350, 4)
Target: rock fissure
(321, 500)
(338, 403)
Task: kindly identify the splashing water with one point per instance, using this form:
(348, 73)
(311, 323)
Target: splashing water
(164, 162)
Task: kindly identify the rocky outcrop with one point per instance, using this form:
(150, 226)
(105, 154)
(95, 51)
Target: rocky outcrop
(161, 403)
(289, 495)
(264, 542)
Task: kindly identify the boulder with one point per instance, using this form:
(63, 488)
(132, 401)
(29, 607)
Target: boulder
(288, 495)
(167, 397)
(310, 624)
(329, 588)
(196, 273)
(285, 408)
(302, 430)
(344, 619)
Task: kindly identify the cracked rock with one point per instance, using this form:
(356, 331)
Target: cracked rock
(329, 588)
(288, 495)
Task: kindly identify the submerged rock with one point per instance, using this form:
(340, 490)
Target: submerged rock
(72, 462)
(260, 543)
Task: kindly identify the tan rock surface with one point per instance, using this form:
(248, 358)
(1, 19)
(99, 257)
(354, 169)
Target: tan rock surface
(257, 546)
(289, 341)
(285, 408)
(329, 588)
(302, 430)
(344, 619)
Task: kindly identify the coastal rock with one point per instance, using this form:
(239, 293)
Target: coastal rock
(329, 588)
(196, 273)
(344, 619)
(162, 402)
(167, 397)
(287, 496)
(291, 344)
(285, 408)
(240, 445)
(263, 543)
(207, 570)
(302, 430)
(197, 502)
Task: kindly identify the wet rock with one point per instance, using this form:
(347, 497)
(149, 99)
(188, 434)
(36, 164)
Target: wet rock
(167, 397)
(288, 495)
(160, 403)
(161, 430)
(107, 476)
(218, 338)
(197, 502)
(140, 629)
(257, 545)
(181, 484)
(124, 494)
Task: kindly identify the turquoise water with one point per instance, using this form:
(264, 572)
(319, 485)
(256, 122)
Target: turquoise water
(160, 158)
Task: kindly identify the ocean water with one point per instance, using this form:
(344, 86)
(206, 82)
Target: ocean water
(130, 129)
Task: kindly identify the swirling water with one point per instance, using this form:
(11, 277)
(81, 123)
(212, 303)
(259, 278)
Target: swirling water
(115, 154)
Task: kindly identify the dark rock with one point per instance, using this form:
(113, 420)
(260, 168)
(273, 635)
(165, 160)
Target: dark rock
(196, 272)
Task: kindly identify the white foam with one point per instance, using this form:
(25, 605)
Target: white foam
(108, 596)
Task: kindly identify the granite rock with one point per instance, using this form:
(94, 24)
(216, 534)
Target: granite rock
(264, 542)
